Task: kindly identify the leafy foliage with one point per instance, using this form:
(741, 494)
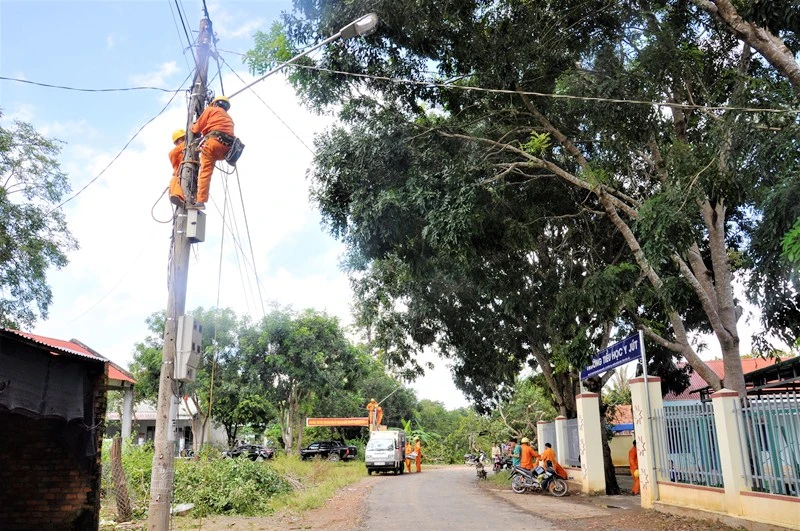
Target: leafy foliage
(33, 233)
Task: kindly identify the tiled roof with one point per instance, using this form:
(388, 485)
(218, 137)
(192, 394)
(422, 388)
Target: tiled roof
(115, 372)
(696, 382)
(622, 414)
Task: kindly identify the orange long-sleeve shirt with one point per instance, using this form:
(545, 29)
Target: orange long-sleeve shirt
(176, 156)
(529, 456)
(548, 455)
(213, 119)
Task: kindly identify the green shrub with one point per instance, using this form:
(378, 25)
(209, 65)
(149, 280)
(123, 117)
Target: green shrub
(227, 486)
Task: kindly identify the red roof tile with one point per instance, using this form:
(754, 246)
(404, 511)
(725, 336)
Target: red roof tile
(114, 372)
(696, 381)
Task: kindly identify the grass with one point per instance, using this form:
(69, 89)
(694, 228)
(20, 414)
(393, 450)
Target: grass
(317, 481)
(501, 479)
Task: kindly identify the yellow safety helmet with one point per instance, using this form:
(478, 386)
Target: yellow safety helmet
(525, 440)
(178, 133)
(221, 101)
(636, 473)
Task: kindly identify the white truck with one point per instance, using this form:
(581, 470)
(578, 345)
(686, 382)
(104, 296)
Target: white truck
(386, 451)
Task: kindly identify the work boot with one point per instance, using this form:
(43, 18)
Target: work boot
(176, 200)
(197, 206)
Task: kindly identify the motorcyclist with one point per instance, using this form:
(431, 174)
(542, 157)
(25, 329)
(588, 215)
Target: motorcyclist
(528, 456)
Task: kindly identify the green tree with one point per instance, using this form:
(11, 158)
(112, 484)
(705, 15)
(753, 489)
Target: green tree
(294, 359)
(33, 233)
(677, 186)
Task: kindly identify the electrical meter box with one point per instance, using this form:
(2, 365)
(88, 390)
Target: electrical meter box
(195, 225)
(188, 343)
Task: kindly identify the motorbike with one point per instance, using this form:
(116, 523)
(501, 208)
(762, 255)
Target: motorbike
(472, 459)
(537, 480)
(503, 462)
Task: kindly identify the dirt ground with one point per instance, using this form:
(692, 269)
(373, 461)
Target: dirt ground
(342, 512)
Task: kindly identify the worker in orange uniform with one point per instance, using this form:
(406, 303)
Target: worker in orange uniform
(409, 449)
(176, 157)
(216, 127)
(633, 461)
(418, 451)
(371, 407)
(379, 415)
(550, 455)
(528, 456)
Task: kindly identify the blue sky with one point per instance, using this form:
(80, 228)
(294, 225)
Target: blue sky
(118, 277)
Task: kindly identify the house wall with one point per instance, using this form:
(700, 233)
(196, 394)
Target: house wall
(620, 445)
(43, 484)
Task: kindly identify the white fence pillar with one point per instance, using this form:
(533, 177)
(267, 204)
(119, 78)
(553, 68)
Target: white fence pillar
(561, 439)
(590, 432)
(127, 412)
(540, 427)
(646, 442)
(730, 448)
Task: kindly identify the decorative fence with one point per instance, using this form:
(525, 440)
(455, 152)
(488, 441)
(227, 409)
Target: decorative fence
(687, 451)
(571, 455)
(770, 429)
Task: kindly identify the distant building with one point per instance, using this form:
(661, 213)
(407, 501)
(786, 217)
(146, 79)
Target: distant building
(692, 394)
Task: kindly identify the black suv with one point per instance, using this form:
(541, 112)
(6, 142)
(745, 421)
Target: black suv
(330, 450)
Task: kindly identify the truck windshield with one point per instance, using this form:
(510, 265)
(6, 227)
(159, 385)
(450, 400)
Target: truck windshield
(380, 444)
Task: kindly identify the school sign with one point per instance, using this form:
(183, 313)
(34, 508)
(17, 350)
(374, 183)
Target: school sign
(629, 349)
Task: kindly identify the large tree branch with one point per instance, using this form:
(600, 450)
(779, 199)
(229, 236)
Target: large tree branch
(709, 307)
(768, 45)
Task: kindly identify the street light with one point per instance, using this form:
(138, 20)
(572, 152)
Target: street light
(358, 28)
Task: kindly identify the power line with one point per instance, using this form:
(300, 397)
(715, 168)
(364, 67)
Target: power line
(687, 106)
(79, 89)
(180, 39)
(268, 107)
(250, 241)
(128, 143)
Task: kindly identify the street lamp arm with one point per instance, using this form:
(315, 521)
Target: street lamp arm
(358, 28)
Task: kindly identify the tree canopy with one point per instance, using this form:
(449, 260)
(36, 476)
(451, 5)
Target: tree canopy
(511, 176)
(33, 233)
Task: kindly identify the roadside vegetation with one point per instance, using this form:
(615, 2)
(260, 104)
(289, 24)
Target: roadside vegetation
(218, 486)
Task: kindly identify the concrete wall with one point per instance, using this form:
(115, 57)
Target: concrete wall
(620, 445)
(772, 508)
(694, 496)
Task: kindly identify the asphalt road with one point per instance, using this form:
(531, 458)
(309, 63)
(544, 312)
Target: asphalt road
(443, 498)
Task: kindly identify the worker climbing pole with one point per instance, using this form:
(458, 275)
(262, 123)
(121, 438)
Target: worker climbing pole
(163, 462)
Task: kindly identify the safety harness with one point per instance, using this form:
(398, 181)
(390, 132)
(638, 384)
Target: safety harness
(234, 145)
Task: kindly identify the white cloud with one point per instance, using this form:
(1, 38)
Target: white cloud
(229, 26)
(156, 78)
(110, 41)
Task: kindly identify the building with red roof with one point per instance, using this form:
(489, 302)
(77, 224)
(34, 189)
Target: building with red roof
(696, 383)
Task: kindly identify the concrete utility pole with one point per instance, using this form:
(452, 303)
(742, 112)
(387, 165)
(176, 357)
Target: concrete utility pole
(163, 466)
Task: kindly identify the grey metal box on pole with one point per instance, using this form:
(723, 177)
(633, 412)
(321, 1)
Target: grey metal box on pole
(189, 340)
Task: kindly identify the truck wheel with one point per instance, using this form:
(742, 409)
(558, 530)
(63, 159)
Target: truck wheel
(369, 471)
(333, 458)
(402, 469)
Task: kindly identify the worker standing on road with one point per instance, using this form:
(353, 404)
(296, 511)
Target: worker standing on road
(550, 455)
(175, 158)
(418, 451)
(633, 460)
(529, 455)
(216, 126)
(409, 449)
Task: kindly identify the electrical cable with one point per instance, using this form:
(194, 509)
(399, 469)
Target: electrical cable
(128, 143)
(152, 213)
(183, 23)
(79, 89)
(180, 39)
(597, 99)
(250, 241)
(216, 309)
(268, 107)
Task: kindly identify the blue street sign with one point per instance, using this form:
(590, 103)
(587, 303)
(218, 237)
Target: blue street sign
(620, 353)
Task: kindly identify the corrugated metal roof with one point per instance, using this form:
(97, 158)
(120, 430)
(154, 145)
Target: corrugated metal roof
(73, 348)
(696, 381)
